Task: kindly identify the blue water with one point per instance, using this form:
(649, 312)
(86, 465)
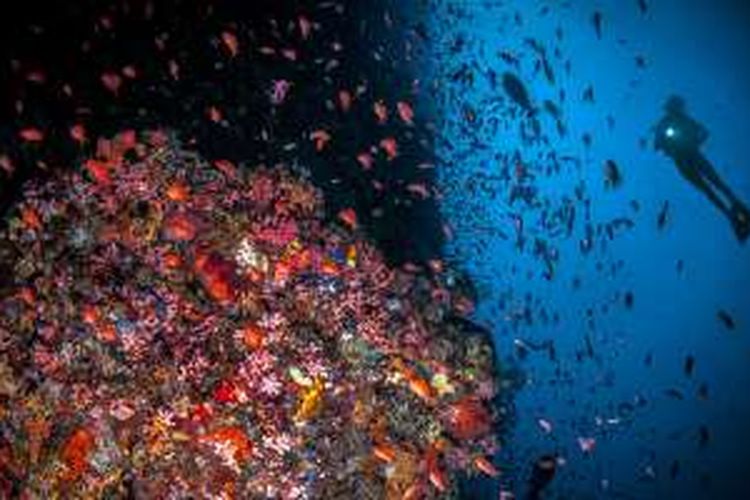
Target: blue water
(695, 48)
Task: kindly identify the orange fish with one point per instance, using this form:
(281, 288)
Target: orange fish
(229, 40)
(435, 473)
(178, 191)
(486, 466)
(405, 112)
(252, 337)
(321, 138)
(89, 314)
(30, 218)
(349, 217)
(384, 452)
(381, 111)
(99, 171)
(78, 133)
(415, 491)
(422, 388)
(390, 147)
(31, 134)
(111, 81)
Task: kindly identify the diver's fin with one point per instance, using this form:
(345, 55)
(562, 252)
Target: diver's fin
(741, 221)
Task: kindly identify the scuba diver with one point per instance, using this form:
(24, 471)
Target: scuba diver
(680, 137)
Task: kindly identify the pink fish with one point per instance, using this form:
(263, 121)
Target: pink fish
(405, 112)
(129, 72)
(279, 91)
(304, 27)
(587, 444)
(390, 147)
(229, 40)
(112, 81)
(345, 100)
(321, 138)
(227, 168)
(381, 111)
(419, 189)
(31, 134)
(365, 159)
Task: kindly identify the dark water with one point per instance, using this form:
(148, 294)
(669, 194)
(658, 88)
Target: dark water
(608, 297)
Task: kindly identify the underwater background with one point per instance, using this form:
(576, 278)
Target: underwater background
(608, 368)
(616, 295)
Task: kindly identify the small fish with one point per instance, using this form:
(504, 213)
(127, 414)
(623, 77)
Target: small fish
(366, 160)
(381, 111)
(663, 218)
(349, 217)
(230, 42)
(612, 175)
(78, 133)
(112, 82)
(384, 452)
(214, 114)
(405, 112)
(642, 6)
(675, 394)
(345, 100)
(129, 71)
(674, 469)
(689, 365)
(486, 466)
(174, 69)
(726, 319)
(305, 27)
(703, 436)
(390, 147)
(227, 168)
(516, 90)
(31, 135)
(546, 425)
(7, 165)
(587, 444)
(703, 392)
(597, 20)
(321, 138)
(588, 94)
(629, 299)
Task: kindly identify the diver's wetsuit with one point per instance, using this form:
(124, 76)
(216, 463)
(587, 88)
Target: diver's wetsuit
(680, 137)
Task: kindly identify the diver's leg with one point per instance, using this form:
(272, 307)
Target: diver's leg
(693, 175)
(709, 172)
